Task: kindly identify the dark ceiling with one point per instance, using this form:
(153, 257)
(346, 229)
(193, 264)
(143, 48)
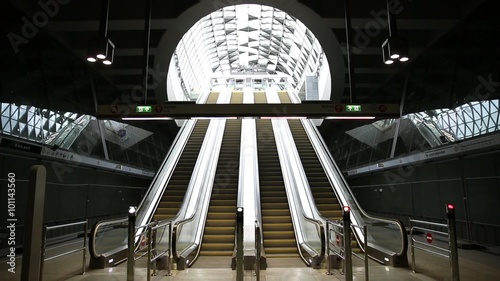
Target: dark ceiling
(451, 44)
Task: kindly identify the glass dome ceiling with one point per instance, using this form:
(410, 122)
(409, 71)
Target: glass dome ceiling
(246, 39)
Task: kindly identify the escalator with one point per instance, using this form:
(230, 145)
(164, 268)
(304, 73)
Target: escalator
(325, 199)
(323, 194)
(278, 231)
(218, 238)
(173, 195)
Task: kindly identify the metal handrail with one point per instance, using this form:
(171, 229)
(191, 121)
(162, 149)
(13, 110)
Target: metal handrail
(151, 250)
(83, 248)
(339, 249)
(449, 252)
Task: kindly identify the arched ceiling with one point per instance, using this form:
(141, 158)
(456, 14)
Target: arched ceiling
(248, 38)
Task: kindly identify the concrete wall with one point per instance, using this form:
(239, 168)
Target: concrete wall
(73, 193)
(472, 183)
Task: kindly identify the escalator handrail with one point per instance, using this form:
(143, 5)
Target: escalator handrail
(212, 136)
(94, 231)
(319, 224)
(336, 169)
(321, 230)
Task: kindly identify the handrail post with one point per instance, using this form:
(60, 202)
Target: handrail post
(169, 255)
(412, 247)
(365, 231)
(154, 248)
(239, 245)
(257, 251)
(85, 229)
(452, 238)
(347, 242)
(44, 244)
(327, 251)
(131, 244)
(148, 233)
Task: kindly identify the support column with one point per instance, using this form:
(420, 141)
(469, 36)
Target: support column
(32, 255)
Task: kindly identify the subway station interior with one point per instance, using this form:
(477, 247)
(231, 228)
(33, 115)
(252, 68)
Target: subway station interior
(249, 140)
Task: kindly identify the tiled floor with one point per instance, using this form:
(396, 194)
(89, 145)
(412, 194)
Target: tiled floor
(474, 265)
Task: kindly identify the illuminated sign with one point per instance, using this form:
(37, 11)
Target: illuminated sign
(353, 108)
(143, 108)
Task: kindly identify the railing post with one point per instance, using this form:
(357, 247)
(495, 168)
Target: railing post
(30, 269)
(367, 273)
(257, 251)
(85, 229)
(169, 255)
(44, 244)
(148, 235)
(154, 248)
(131, 244)
(346, 216)
(239, 244)
(452, 238)
(327, 250)
(412, 247)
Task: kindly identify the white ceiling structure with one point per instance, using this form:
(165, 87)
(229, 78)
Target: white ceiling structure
(248, 39)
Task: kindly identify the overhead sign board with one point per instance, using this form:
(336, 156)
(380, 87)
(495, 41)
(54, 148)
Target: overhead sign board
(323, 109)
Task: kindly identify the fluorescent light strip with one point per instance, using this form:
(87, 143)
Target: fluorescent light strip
(264, 117)
(146, 118)
(351, 117)
(283, 117)
(209, 118)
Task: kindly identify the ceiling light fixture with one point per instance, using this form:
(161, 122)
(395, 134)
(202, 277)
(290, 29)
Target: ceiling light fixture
(102, 48)
(394, 48)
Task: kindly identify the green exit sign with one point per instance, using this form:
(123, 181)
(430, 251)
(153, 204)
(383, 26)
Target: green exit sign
(353, 108)
(143, 108)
